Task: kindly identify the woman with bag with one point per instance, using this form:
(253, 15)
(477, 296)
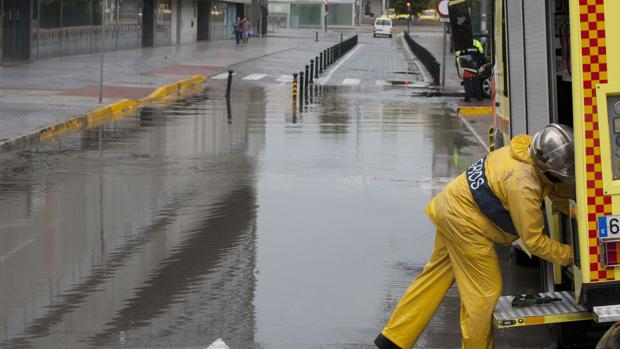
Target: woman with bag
(245, 28)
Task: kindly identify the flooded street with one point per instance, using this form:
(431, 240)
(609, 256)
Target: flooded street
(258, 225)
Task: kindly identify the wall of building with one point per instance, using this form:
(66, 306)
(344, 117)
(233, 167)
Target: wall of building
(184, 21)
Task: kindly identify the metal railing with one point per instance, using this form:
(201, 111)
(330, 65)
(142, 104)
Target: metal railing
(317, 66)
(427, 58)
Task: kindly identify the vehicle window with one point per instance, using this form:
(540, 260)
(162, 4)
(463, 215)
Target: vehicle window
(381, 22)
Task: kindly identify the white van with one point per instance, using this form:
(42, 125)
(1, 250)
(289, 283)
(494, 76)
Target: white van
(383, 26)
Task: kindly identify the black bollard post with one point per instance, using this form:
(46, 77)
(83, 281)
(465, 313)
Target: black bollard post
(327, 54)
(301, 88)
(228, 86)
(294, 89)
(327, 57)
(307, 78)
(321, 63)
(340, 37)
(311, 76)
(316, 37)
(316, 68)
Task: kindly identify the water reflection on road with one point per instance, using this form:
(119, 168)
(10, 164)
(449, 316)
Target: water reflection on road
(186, 224)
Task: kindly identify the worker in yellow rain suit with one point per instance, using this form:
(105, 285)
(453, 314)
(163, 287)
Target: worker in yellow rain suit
(497, 200)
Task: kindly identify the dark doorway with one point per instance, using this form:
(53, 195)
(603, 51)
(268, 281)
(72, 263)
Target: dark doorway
(16, 30)
(204, 11)
(240, 10)
(148, 23)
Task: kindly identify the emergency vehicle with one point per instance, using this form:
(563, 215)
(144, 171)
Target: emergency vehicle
(559, 61)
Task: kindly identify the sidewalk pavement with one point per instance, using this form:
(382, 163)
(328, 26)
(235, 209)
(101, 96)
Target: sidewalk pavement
(50, 91)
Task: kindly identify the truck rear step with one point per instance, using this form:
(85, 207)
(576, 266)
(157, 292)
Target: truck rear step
(505, 315)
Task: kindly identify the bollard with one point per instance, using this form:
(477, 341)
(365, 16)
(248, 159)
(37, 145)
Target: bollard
(340, 37)
(228, 86)
(327, 63)
(316, 68)
(316, 37)
(311, 76)
(294, 88)
(321, 63)
(307, 78)
(324, 59)
(228, 111)
(301, 87)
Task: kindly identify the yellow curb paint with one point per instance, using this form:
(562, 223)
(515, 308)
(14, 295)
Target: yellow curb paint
(120, 109)
(474, 111)
(61, 129)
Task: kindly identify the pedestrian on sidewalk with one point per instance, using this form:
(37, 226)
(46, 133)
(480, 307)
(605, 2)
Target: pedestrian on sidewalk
(497, 200)
(237, 30)
(245, 28)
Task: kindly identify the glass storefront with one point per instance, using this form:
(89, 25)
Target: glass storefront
(219, 27)
(278, 15)
(306, 15)
(70, 27)
(340, 15)
(163, 24)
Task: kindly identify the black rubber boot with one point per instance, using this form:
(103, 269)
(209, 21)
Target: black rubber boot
(383, 343)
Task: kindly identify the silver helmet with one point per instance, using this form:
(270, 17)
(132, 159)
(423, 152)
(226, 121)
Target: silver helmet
(553, 154)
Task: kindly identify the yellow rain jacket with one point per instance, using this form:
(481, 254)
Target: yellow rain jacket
(521, 190)
(464, 251)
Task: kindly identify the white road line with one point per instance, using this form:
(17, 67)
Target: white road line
(218, 344)
(351, 82)
(381, 83)
(254, 76)
(329, 75)
(475, 134)
(220, 76)
(285, 78)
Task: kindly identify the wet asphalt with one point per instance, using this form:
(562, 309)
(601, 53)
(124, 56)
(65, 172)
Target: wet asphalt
(260, 223)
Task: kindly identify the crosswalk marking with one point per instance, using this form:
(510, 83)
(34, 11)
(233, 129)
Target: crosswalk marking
(220, 76)
(288, 78)
(381, 83)
(254, 76)
(351, 82)
(218, 344)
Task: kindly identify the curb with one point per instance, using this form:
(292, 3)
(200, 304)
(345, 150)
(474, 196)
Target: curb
(473, 111)
(103, 115)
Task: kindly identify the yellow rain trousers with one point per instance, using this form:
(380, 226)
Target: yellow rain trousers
(464, 248)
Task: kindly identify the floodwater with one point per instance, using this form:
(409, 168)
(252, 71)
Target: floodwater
(257, 225)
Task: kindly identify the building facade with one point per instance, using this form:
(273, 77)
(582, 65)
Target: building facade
(38, 29)
(311, 14)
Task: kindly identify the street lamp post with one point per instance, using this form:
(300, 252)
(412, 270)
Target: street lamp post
(409, 21)
(102, 49)
(325, 4)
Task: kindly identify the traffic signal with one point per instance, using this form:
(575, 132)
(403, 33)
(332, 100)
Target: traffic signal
(408, 4)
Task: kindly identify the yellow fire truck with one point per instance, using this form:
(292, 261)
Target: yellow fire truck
(559, 61)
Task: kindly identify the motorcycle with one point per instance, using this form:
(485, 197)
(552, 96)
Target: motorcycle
(468, 63)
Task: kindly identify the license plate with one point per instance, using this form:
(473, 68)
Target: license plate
(609, 227)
